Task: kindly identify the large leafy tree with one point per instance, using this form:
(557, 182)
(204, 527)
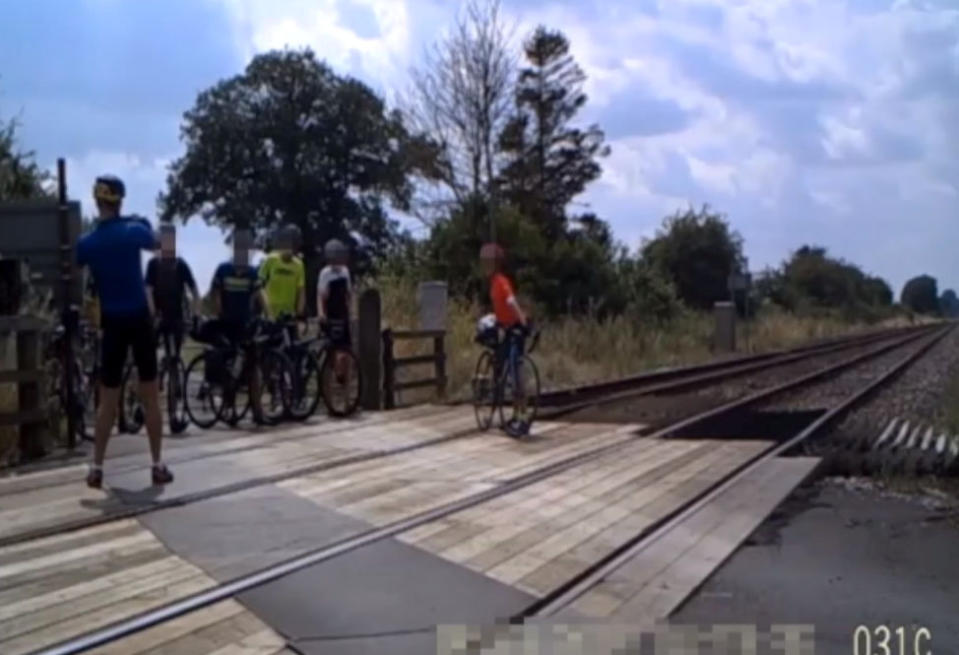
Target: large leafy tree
(811, 280)
(697, 251)
(20, 177)
(921, 295)
(288, 140)
(550, 161)
(949, 304)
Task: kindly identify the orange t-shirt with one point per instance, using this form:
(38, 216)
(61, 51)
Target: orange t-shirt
(501, 290)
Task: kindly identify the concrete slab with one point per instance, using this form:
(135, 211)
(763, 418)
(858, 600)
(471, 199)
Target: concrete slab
(836, 559)
(237, 534)
(385, 598)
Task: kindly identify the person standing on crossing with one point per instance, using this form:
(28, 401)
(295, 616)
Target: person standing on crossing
(112, 253)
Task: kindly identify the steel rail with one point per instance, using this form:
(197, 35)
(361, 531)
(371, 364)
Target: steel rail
(572, 394)
(227, 590)
(251, 483)
(565, 595)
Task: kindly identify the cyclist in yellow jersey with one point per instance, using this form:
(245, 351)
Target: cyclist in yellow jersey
(283, 278)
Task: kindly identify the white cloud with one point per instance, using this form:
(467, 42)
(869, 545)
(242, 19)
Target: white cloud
(319, 24)
(834, 121)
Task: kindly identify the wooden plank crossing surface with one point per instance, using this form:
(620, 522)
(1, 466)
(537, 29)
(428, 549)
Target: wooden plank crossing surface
(534, 538)
(659, 578)
(541, 536)
(51, 498)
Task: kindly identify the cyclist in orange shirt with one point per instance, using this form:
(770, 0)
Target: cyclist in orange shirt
(512, 319)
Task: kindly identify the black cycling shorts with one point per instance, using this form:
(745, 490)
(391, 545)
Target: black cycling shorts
(217, 331)
(338, 332)
(170, 333)
(121, 334)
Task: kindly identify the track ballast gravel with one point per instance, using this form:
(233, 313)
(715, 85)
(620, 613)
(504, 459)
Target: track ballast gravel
(661, 409)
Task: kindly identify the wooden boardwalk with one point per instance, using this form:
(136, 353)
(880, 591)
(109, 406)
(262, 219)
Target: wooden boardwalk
(532, 539)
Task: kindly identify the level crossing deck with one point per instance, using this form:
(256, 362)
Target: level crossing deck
(76, 559)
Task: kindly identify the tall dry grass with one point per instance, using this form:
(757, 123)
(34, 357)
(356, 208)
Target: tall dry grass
(580, 350)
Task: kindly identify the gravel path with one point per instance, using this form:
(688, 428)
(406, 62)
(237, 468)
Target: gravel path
(662, 409)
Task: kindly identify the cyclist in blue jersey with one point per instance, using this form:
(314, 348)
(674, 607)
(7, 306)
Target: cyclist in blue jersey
(235, 289)
(112, 253)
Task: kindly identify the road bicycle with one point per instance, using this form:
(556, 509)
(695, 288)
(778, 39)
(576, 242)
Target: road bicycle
(506, 379)
(84, 378)
(228, 381)
(305, 364)
(131, 416)
(171, 374)
(172, 377)
(314, 363)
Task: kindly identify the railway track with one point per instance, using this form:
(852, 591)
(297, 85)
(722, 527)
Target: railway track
(558, 403)
(899, 351)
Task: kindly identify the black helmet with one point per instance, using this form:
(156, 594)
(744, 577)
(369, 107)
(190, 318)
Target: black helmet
(109, 188)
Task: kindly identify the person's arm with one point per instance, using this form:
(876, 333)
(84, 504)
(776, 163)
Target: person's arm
(150, 282)
(300, 290)
(144, 235)
(263, 276)
(258, 298)
(216, 288)
(512, 301)
(190, 282)
(322, 292)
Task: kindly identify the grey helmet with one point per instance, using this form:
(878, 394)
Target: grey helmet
(334, 248)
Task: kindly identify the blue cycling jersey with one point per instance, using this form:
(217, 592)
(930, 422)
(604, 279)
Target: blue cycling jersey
(112, 252)
(236, 286)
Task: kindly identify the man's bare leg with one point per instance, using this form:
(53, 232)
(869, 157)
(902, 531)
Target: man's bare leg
(149, 397)
(106, 417)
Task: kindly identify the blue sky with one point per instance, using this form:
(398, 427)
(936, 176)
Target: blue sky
(827, 121)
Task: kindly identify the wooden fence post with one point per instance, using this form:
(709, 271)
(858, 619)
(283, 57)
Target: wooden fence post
(369, 349)
(28, 394)
(439, 351)
(389, 371)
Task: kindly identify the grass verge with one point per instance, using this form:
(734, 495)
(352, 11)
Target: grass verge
(581, 350)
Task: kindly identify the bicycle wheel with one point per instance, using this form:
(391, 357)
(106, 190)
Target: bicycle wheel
(131, 415)
(237, 400)
(56, 398)
(520, 392)
(306, 386)
(484, 397)
(341, 393)
(175, 401)
(202, 398)
(275, 387)
(87, 403)
(85, 396)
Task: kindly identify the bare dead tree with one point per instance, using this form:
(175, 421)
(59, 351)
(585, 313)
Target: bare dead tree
(461, 97)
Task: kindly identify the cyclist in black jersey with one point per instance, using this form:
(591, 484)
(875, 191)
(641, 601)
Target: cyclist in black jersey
(168, 281)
